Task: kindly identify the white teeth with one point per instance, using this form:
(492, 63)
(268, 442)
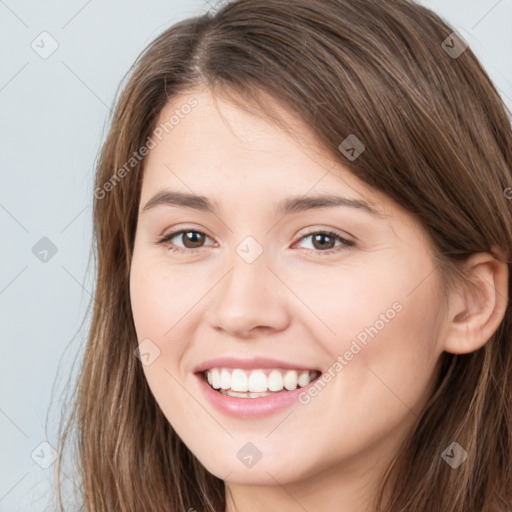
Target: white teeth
(239, 381)
(215, 378)
(304, 379)
(290, 380)
(225, 379)
(258, 381)
(255, 383)
(243, 395)
(275, 381)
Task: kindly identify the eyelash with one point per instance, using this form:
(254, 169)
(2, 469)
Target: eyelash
(346, 243)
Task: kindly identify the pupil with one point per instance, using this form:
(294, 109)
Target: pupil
(322, 236)
(191, 235)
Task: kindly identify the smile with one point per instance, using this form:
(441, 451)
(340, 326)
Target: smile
(257, 383)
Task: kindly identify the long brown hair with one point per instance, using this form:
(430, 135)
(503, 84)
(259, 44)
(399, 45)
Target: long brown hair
(437, 141)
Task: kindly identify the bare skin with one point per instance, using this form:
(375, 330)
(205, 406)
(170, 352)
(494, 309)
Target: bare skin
(295, 303)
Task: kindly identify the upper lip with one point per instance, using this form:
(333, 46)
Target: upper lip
(248, 364)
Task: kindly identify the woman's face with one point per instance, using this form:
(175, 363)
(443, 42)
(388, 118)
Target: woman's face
(252, 279)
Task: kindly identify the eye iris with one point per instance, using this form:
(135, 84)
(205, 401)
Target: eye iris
(188, 238)
(322, 236)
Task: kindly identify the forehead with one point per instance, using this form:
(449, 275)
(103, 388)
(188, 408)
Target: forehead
(219, 144)
(237, 126)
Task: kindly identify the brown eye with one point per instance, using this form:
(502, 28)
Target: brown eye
(192, 239)
(319, 241)
(324, 243)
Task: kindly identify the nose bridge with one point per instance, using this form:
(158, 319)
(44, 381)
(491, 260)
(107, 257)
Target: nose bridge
(248, 296)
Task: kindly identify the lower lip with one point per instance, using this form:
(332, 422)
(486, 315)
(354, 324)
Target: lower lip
(251, 407)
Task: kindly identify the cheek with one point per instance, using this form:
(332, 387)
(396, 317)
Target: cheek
(157, 305)
(347, 300)
(382, 331)
(160, 299)
(159, 309)
(389, 346)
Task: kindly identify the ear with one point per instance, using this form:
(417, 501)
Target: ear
(476, 309)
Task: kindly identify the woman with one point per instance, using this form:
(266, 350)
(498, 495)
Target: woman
(229, 366)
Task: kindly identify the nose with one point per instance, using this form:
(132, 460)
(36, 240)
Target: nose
(250, 299)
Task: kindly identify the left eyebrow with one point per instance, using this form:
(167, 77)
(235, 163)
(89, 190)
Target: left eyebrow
(302, 203)
(287, 206)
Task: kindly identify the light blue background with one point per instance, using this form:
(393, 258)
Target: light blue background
(53, 120)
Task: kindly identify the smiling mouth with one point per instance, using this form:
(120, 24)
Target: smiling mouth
(257, 383)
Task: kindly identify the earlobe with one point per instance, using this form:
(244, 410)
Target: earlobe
(478, 306)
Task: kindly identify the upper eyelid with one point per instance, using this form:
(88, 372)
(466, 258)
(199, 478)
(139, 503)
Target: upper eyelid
(307, 230)
(181, 231)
